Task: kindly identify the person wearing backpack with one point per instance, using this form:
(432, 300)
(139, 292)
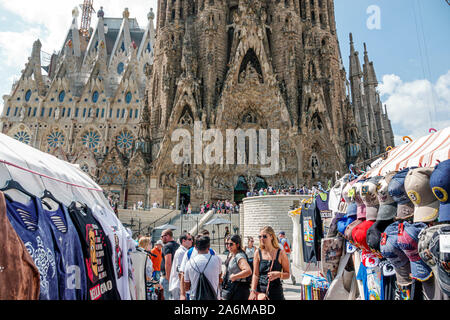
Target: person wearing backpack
(202, 274)
(236, 282)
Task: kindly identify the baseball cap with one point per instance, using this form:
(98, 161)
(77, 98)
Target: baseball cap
(417, 186)
(352, 209)
(407, 241)
(395, 256)
(374, 233)
(343, 223)
(387, 268)
(396, 189)
(333, 230)
(369, 259)
(160, 242)
(442, 256)
(360, 206)
(282, 232)
(359, 234)
(350, 227)
(369, 197)
(388, 207)
(440, 186)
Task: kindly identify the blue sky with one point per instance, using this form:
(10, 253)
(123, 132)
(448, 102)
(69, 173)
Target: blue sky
(410, 50)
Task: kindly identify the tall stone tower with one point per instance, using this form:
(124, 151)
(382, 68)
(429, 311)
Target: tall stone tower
(251, 64)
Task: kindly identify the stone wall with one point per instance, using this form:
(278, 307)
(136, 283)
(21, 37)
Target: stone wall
(268, 211)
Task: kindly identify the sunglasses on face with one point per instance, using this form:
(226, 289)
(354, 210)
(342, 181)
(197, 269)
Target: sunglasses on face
(264, 236)
(229, 244)
(189, 239)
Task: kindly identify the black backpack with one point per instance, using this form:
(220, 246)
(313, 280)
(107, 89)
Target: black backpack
(204, 290)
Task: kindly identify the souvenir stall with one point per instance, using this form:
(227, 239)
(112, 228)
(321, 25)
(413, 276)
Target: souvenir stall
(389, 234)
(60, 238)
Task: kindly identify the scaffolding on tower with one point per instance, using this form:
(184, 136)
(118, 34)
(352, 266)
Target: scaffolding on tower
(88, 9)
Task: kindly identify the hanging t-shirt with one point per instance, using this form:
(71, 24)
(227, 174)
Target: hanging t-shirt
(69, 255)
(19, 276)
(35, 232)
(118, 236)
(372, 279)
(143, 269)
(101, 283)
(326, 214)
(311, 227)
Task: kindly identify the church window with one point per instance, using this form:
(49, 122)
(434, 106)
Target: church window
(120, 68)
(69, 112)
(122, 46)
(112, 169)
(91, 139)
(76, 112)
(28, 95)
(8, 111)
(89, 112)
(42, 111)
(149, 48)
(125, 140)
(95, 97)
(130, 114)
(85, 168)
(97, 111)
(123, 113)
(63, 112)
(128, 97)
(50, 111)
(105, 180)
(110, 113)
(84, 113)
(29, 111)
(118, 114)
(136, 113)
(103, 112)
(34, 112)
(55, 139)
(61, 96)
(118, 180)
(15, 111)
(23, 137)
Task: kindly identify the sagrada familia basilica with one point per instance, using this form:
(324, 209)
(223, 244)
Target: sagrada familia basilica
(111, 99)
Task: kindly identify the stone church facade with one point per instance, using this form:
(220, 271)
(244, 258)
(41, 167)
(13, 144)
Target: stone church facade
(112, 102)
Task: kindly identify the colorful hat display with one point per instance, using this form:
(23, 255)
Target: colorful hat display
(440, 186)
(417, 186)
(359, 234)
(348, 231)
(361, 207)
(396, 189)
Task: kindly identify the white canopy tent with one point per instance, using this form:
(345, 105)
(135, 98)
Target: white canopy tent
(37, 171)
(426, 151)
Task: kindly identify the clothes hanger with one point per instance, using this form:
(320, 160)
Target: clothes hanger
(14, 185)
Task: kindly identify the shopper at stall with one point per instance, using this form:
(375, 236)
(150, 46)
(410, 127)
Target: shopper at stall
(270, 266)
(235, 283)
(186, 242)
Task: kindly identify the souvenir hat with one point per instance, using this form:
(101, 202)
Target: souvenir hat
(343, 223)
(395, 256)
(369, 259)
(350, 227)
(407, 241)
(396, 189)
(369, 197)
(439, 248)
(387, 268)
(359, 234)
(388, 207)
(440, 186)
(417, 186)
(424, 244)
(333, 230)
(360, 206)
(374, 233)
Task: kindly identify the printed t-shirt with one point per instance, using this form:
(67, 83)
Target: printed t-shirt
(97, 249)
(312, 232)
(326, 214)
(69, 255)
(19, 276)
(372, 279)
(212, 272)
(36, 234)
(118, 237)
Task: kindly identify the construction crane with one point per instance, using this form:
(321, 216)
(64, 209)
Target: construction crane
(87, 9)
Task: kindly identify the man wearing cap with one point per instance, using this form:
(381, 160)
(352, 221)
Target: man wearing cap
(286, 246)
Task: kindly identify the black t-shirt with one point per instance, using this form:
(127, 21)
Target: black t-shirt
(169, 248)
(311, 231)
(101, 282)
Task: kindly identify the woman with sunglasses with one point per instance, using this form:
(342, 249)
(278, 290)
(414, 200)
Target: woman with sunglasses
(235, 285)
(270, 265)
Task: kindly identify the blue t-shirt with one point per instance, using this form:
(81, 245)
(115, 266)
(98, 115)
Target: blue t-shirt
(35, 233)
(69, 255)
(372, 279)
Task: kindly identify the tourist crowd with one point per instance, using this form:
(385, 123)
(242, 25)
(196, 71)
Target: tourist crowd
(189, 269)
(220, 206)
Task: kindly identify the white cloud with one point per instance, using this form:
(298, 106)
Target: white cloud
(415, 107)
